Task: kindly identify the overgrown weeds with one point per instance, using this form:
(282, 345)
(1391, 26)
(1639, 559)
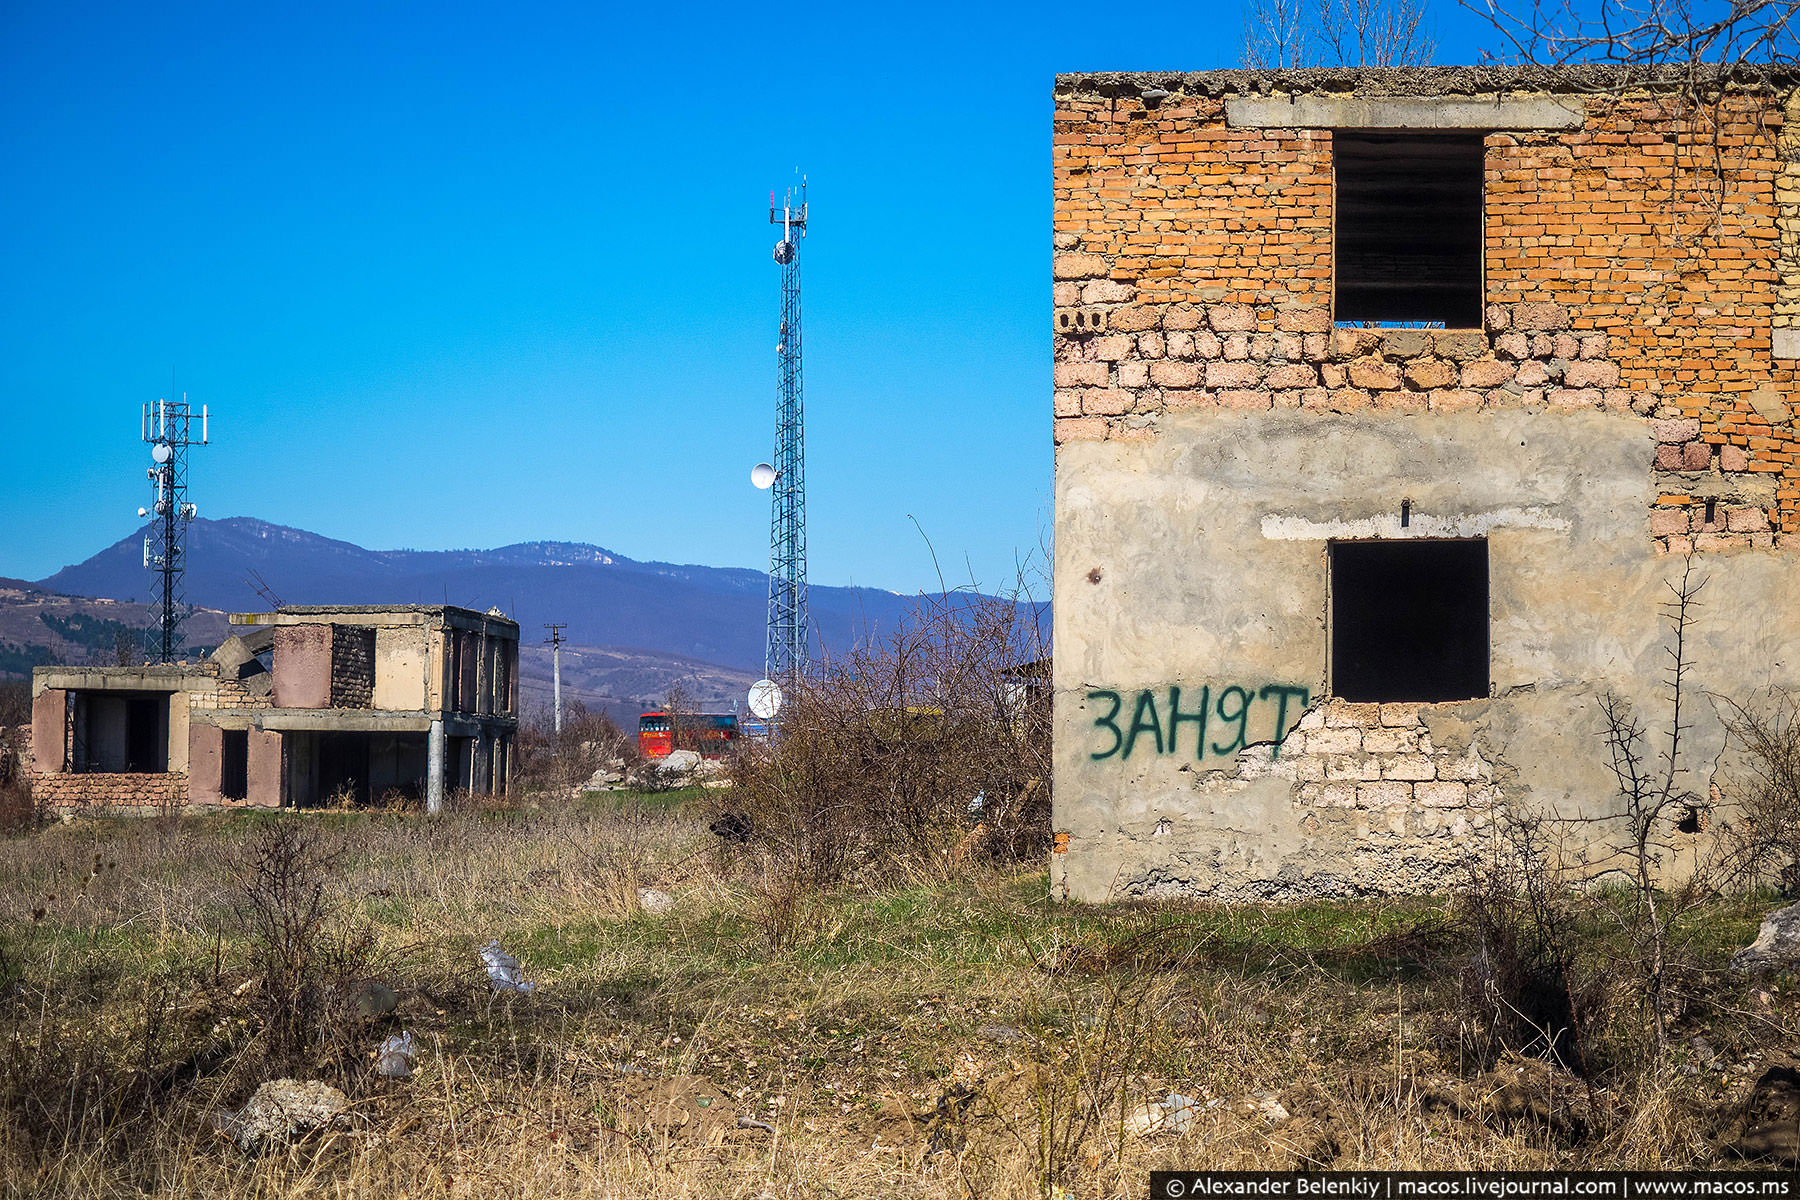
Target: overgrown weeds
(934, 736)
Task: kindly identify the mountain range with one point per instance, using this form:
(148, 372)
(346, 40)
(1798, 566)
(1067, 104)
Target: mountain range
(633, 628)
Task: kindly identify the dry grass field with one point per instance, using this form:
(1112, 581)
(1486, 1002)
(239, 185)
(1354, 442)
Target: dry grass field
(918, 1031)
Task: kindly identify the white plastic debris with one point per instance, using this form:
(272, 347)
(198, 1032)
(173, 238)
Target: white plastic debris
(1172, 1115)
(505, 970)
(978, 803)
(652, 900)
(395, 1057)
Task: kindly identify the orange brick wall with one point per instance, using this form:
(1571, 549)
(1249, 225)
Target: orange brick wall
(1193, 269)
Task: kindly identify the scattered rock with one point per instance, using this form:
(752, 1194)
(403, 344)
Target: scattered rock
(1769, 1127)
(375, 999)
(653, 901)
(282, 1110)
(1777, 942)
(1006, 1035)
(679, 762)
(604, 778)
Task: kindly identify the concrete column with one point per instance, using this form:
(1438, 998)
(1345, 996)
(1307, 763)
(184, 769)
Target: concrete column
(434, 767)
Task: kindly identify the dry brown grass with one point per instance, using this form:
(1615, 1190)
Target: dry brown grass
(917, 1038)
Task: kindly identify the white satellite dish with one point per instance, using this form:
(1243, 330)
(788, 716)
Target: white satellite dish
(161, 452)
(763, 476)
(143, 512)
(765, 698)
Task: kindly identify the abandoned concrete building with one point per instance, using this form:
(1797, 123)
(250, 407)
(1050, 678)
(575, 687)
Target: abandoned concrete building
(1388, 406)
(308, 706)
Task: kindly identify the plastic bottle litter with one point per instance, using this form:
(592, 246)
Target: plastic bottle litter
(504, 969)
(395, 1057)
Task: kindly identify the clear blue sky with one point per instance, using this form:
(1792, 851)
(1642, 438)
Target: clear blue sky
(452, 275)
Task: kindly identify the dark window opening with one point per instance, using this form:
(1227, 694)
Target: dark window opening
(1409, 228)
(234, 764)
(1409, 620)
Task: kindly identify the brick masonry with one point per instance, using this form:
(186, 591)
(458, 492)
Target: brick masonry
(1192, 268)
(97, 791)
(352, 666)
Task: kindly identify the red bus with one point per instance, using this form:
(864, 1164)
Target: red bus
(710, 734)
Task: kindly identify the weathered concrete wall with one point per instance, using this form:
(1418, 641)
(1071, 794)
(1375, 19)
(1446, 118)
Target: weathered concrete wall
(303, 666)
(206, 757)
(1191, 578)
(401, 663)
(49, 709)
(264, 770)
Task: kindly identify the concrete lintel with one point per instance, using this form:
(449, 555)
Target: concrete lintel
(1787, 343)
(483, 727)
(342, 720)
(1424, 112)
(171, 678)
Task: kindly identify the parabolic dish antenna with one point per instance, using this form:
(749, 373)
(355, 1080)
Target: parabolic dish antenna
(762, 475)
(765, 698)
(161, 452)
(784, 252)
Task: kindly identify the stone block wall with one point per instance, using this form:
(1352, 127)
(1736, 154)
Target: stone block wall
(99, 792)
(352, 666)
(1193, 266)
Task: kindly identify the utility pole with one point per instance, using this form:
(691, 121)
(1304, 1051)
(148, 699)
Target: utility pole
(556, 640)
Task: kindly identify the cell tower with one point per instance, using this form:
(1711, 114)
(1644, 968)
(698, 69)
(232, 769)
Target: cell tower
(169, 428)
(786, 655)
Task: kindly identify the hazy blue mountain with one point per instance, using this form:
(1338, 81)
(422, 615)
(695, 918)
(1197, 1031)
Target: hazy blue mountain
(715, 614)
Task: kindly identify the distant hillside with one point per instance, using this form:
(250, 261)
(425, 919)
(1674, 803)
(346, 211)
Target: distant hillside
(715, 615)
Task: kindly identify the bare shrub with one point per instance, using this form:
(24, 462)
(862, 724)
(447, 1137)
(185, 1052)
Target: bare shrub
(307, 957)
(589, 742)
(898, 748)
(1337, 33)
(1761, 841)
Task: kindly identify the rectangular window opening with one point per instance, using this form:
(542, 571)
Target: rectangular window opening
(234, 764)
(1409, 228)
(1409, 621)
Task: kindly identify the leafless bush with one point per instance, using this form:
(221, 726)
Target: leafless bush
(1645, 32)
(901, 746)
(1337, 33)
(307, 957)
(1761, 840)
(17, 808)
(1621, 871)
(589, 742)
(1526, 986)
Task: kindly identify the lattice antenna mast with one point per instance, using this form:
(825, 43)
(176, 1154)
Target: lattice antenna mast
(787, 646)
(169, 426)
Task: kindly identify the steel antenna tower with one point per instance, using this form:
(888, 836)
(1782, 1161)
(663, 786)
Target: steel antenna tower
(169, 425)
(786, 655)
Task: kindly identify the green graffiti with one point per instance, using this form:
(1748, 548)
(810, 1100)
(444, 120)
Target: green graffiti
(1236, 708)
(1146, 703)
(1106, 722)
(1241, 716)
(1198, 717)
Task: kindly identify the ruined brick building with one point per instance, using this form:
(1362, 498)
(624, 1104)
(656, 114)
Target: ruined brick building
(308, 706)
(1388, 403)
